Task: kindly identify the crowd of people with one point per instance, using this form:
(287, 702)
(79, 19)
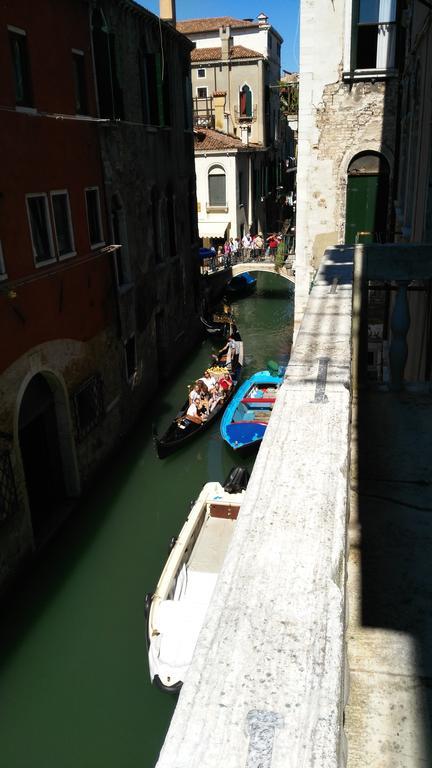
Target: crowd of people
(204, 396)
(213, 387)
(248, 248)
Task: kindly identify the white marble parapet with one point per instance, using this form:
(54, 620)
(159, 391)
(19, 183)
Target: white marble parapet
(266, 687)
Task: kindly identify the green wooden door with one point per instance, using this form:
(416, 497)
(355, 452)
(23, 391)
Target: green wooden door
(361, 209)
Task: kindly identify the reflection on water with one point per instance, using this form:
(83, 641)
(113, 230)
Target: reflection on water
(74, 680)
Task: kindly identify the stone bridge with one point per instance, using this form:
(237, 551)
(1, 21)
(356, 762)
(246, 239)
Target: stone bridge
(214, 278)
(262, 266)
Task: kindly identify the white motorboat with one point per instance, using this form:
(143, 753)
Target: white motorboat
(177, 608)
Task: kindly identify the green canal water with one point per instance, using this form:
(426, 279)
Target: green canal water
(74, 683)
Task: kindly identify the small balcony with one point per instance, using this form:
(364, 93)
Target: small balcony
(203, 112)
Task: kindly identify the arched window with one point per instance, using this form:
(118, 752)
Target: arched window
(217, 186)
(245, 102)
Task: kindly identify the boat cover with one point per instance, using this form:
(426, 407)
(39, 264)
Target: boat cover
(179, 624)
(244, 432)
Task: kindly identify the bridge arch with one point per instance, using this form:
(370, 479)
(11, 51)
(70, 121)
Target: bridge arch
(256, 266)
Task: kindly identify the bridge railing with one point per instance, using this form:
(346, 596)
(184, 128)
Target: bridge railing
(249, 256)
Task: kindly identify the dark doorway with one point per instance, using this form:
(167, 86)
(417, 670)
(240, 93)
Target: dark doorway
(367, 200)
(41, 456)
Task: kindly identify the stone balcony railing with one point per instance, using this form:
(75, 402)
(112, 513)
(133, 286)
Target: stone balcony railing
(402, 271)
(269, 683)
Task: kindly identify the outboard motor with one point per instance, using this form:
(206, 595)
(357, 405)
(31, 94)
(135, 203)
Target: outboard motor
(237, 480)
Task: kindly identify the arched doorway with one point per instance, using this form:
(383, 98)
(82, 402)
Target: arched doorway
(367, 199)
(41, 453)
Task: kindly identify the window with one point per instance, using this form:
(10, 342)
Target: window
(110, 94)
(79, 83)
(130, 357)
(217, 186)
(270, 42)
(63, 223)
(94, 217)
(40, 228)
(201, 72)
(88, 405)
(245, 102)
(155, 89)
(21, 68)
(376, 34)
(202, 92)
(3, 273)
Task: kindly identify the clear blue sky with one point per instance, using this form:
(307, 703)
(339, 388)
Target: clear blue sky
(283, 16)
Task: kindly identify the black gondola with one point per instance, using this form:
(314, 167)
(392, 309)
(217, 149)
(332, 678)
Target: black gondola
(175, 437)
(215, 329)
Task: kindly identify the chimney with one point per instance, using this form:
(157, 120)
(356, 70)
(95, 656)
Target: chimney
(226, 42)
(167, 11)
(244, 132)
(219, 109)
(263, 20)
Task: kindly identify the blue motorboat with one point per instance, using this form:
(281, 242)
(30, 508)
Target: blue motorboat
(241, 284)
(246, 417)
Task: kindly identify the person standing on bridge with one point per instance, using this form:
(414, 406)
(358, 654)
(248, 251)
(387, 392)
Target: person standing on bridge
(233, 249)
(258, 246)
(247, 245)
(272, 244)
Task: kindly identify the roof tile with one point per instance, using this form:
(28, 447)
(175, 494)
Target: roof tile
(215, 54)
(208, 25)
(206, 139)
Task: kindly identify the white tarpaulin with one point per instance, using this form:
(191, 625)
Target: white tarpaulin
(213, 228)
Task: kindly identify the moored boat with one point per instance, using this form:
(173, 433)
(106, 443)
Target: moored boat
(213, 328)
(245, 419)
(241, 285)
(180, 431)
(176, 610)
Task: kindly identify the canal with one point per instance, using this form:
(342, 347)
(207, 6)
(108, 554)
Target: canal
(74, 683)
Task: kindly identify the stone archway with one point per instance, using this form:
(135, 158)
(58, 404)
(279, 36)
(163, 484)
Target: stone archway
(47, 456)
(367, 199)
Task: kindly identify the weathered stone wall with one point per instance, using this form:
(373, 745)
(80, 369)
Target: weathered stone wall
(66, 363)
(137, 159)
(337, 120)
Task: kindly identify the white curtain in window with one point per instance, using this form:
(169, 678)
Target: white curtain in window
(386, 34)
(386, 46)
(387, 11)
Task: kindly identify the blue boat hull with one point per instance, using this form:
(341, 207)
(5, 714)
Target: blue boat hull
(245, 420)
(241, 284)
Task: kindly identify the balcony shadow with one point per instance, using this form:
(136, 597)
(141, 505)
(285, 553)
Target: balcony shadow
(392, 483)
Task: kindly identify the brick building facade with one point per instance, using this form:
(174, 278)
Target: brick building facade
(98, 270)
